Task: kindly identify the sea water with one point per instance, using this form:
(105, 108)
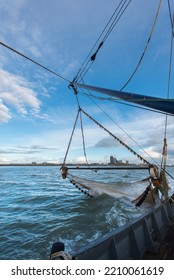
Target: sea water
(38, 208)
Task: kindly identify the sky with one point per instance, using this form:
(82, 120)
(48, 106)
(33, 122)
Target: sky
(38, 109)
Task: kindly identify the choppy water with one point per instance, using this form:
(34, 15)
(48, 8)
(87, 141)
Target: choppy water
(38, 208)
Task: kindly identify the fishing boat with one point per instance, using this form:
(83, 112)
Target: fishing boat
(150, 236)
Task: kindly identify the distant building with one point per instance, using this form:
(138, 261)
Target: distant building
(34, 163)
(113, 160)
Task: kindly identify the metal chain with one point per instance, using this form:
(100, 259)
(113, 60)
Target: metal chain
(116, 138)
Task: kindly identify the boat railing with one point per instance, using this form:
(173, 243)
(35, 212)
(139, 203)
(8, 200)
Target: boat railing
(142, 238)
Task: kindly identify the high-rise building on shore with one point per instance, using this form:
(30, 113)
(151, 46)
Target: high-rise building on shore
(113, 160)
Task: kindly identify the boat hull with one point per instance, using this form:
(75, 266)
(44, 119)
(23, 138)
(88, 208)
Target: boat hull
(141, 239)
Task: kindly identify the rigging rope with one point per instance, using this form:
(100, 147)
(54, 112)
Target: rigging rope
(117, 19)
(81, 124)
(92, 58)
(119, 11)
(116, 138)
(117, 100)
(71, 138)
(128, 134)
(83, 138)
(145, 49)
(35, 62)
(170, 14)
(170, 63)
(105, 129)
(122, 129)
(164, 152)
(82, 131)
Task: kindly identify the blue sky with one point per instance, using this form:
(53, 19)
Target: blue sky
(38, 110)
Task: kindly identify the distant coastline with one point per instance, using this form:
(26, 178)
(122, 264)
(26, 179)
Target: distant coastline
(30, 164)
(68, 164)
(77, 165)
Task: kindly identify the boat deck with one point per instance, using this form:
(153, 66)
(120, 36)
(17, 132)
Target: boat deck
(165, 250)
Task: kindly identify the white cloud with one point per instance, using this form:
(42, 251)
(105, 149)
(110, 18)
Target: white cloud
(153, 153)
(147, 134)
(5, 115)
(10, 13)
(61, 36)
(16, 92)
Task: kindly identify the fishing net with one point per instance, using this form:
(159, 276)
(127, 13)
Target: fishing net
(117, 189)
